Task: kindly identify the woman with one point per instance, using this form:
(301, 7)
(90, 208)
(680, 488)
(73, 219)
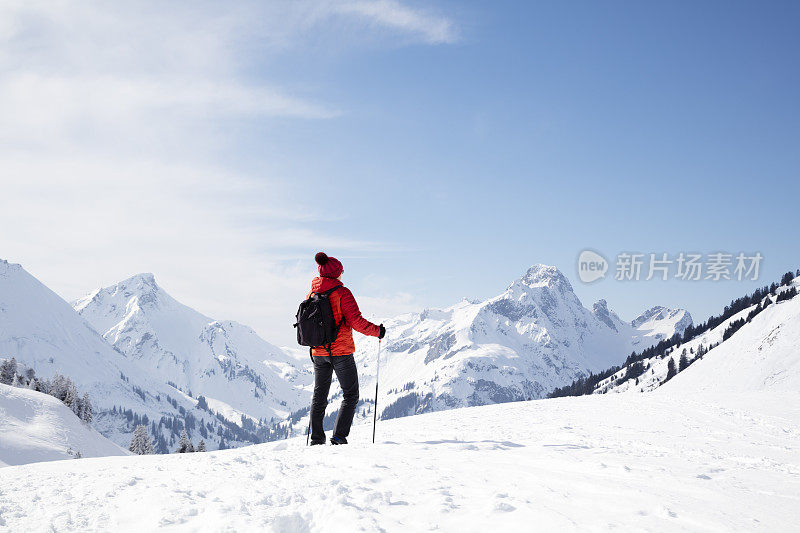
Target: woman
(339, 356)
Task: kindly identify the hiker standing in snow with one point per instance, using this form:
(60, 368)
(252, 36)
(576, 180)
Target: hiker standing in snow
(336, 356)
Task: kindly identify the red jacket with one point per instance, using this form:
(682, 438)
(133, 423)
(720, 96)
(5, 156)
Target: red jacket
(344, 305)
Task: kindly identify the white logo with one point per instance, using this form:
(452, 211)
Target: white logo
(591, 266)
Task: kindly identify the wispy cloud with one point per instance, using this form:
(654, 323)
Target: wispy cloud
(430, 27)
(110, 115)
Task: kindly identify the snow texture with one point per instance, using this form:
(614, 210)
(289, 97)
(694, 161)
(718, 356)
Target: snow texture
(36, 427)
(656, 462)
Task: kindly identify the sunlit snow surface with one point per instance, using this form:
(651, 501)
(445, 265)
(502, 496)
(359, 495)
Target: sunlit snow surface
(655, 461)
(37, 427)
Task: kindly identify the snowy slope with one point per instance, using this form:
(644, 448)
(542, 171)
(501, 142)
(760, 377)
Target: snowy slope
(535, 336)
(762, 354)
(37, 427)
(625, 462)
(43, 332)
(221, 360)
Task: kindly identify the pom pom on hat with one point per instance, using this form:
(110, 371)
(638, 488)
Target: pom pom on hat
(329, 267)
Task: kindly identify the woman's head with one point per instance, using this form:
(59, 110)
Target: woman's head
(329, 267)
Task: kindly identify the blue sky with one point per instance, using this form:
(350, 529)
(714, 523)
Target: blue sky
(438, 148)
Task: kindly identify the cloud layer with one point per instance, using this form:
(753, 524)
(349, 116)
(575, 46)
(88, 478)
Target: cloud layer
(107, 114)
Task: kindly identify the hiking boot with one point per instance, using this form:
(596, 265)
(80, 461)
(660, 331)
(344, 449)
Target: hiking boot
(317, 442)
(335, 440)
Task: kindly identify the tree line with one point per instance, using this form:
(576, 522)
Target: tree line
(760, 298)
(61, 387)
(141, 444)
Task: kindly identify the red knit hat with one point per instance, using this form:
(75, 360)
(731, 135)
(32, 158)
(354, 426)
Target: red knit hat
(329, 267)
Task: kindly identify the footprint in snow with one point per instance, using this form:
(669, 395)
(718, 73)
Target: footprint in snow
(703, 476)
(504, 507)
(291, 522)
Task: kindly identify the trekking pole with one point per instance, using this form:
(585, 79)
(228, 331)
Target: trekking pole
(377, 375)
(308, 431)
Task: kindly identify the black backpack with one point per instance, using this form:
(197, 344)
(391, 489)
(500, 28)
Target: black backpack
(316, 325)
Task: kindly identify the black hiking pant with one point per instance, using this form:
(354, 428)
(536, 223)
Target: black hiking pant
(345, 368)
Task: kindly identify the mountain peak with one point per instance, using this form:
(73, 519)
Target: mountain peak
(656, 312)
(678, 319)
(600, 304)
(144, 278)
(540, 275)
(142, 286)
(5, 267)
(604, 314)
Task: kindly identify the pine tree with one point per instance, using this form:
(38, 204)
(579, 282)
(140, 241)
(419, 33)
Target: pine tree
(202, 446)
(788, 294)
(71, 396)
(773, 288)
(185, 444)
(683, 362)
(671, 372)
(201, 403)
(58, 387)
(8, 369)
(87, 412)
(141, 443)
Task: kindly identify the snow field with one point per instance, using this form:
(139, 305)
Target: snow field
(652, 462)
(37, 427)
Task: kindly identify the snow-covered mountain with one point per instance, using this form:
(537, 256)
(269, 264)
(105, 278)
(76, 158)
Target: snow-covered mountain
(533, 337)
(761, 355)
(37, 427)
(224, 361)
(657, 324)
(44, 332)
